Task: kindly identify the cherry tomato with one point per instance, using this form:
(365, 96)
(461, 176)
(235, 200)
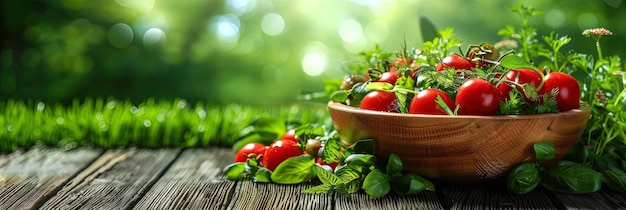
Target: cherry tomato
(379, 100)
(425, 102)
(251, 150)
(290, 135)
(456, 62)
(278, 152)
(389, 77)
(519, 76)
(568, 96)
(477, 97)
(313, 147)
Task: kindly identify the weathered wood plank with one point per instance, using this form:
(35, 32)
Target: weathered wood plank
(249, 195)
(424, 200)
(116, 180)
(29, 178)
(491, 197)
(604, 199)
(194, 181)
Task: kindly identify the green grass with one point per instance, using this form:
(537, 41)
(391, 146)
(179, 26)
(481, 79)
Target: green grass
(111, 123)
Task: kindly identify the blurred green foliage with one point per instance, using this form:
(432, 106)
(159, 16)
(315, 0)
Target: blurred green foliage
(244, 51)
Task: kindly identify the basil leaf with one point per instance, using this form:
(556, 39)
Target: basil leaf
(428, 185)
(350, 172)
(544, 150)
(262, 175)
(569, 177)
(358, 92)
(408, 185)
(516, 62)
(615, 179)
(234, 171)
(394, 165)
(331, 150)
(524, 178)
(294, 170)
(376, 184)
(361, 160)
(320, 189)
(349, 187)
(365, 146)
(340, 96)
(427, 29)
(327, 177)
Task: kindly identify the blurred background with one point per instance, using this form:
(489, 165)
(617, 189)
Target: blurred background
(244, 51)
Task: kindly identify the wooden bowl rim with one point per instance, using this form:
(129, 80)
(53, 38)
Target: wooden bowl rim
(345, 108)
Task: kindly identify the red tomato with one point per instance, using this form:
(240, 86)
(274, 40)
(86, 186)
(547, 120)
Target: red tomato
(389, 77)
(477, 97)
(290, 135)
(425, 102)
(379, 100)
(568, 96)
(250, 150)
(519, 76)
(456, 62)
(278, 152)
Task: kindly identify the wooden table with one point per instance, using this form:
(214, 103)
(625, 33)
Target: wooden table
(172, 178)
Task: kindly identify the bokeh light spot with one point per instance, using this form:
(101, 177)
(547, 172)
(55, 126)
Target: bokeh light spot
(273, 24)
(587, 20)
(141, 5)
(120, 35)
(613, 3)
(314, 59)
(154, 37)
(555, 18)
(350, 31)
(377, 31)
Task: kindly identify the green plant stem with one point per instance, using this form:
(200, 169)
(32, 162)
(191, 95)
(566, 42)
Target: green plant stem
(599, 49)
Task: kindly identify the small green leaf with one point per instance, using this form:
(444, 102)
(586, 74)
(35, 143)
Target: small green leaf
(294, 170)
(428, 185)
(349, 187)
(570, 177)
(379, 86)
(234, 171)
(427, 29)
(615, 179)
(331, 150)
(365, 146)
(524, 178)
(408, 185)
(516, 62)
(340, 96)
(327, 177)
(262, 175)
(544, 150)
(376, 184)
(361, 160)
(348, 173)
(320, 189)
(394, 165)
(358, 92)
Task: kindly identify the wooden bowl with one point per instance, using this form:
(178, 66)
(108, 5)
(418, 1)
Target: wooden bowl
(459, 148)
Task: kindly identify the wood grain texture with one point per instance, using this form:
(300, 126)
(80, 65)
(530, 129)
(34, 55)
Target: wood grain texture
(249, 196)
(603, 199)
(459, 148)
(424, 200)
(116, 180)
(29, 178)
(194, 181)
(492, 197)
